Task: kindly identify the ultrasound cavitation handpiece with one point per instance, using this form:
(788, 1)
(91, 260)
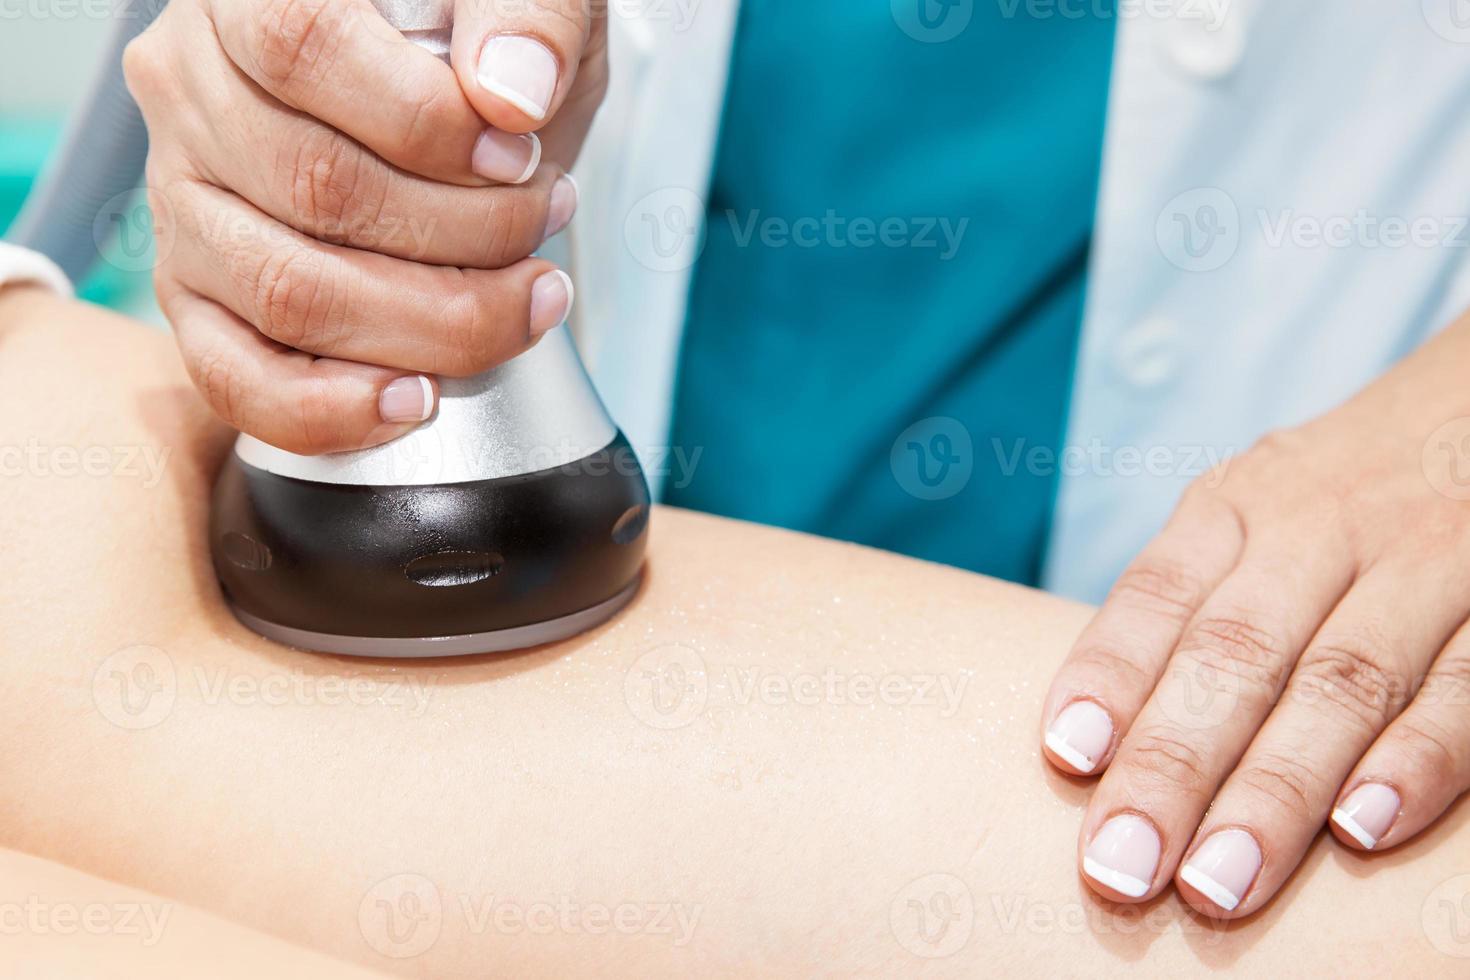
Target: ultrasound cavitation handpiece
(517, 515)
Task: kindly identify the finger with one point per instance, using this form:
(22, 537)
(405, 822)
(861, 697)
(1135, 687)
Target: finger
(1219, 685)
(1355, 676)
(297, 402)
(314, 179)
(518, 62)
(1416, 768)
(358, 306)
(340, 62)
(1117, 660)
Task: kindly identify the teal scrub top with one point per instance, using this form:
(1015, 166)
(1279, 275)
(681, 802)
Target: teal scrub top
(883, 322)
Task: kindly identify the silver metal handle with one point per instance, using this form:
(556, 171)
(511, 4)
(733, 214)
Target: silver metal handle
(427, 23)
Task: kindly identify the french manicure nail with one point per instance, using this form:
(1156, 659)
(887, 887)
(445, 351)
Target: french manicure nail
(1224, 867)
(407, 400)
(564, 195)
(506, 157)
(1080, 735)
(1123, 855)
(521, 70)
(551, 301)
(1368, 812)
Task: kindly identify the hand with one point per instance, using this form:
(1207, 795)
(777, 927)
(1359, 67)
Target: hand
(1291, 646)
(336, 221)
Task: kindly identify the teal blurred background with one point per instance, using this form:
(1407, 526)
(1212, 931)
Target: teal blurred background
(47, 59)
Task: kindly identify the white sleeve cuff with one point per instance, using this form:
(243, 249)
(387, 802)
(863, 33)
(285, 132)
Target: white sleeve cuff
(21, 265)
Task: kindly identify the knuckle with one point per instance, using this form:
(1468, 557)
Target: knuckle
(1164, 587)
(335, 189)
(295, 41)
(1288, 783)
(1239, 648)
(474, 338)
(143, 68)
(1103, 660)
(431, 115)
(1344, 677)
(512, 229)
(218, 381)
(1165, 760)
(293, 300)
(318, 427)
(1429, 747)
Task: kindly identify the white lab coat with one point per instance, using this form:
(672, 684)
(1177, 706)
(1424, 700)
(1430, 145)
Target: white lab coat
(1282, 215)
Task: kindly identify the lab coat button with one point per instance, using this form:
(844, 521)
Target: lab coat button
(1146, 354)
(1203, 45)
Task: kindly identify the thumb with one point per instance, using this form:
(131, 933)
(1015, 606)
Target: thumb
(517, 61)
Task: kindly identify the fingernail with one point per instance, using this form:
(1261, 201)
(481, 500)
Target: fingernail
(506, 157)
(1123, 855)
(407, 400)
(521, 70)
(551, 301)
(1224, 867)
(1080, 735)
(1368, 812)
(564, 196)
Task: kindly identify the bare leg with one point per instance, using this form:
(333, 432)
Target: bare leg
(789, 756)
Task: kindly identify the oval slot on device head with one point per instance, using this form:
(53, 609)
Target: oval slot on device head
(449, 568)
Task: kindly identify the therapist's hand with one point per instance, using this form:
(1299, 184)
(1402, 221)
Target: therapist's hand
(341, 217)
(1291, 649)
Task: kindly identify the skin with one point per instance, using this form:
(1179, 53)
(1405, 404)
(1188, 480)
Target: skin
(132, 935)
(772, 822)
(1312, 597)
(320, 230)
